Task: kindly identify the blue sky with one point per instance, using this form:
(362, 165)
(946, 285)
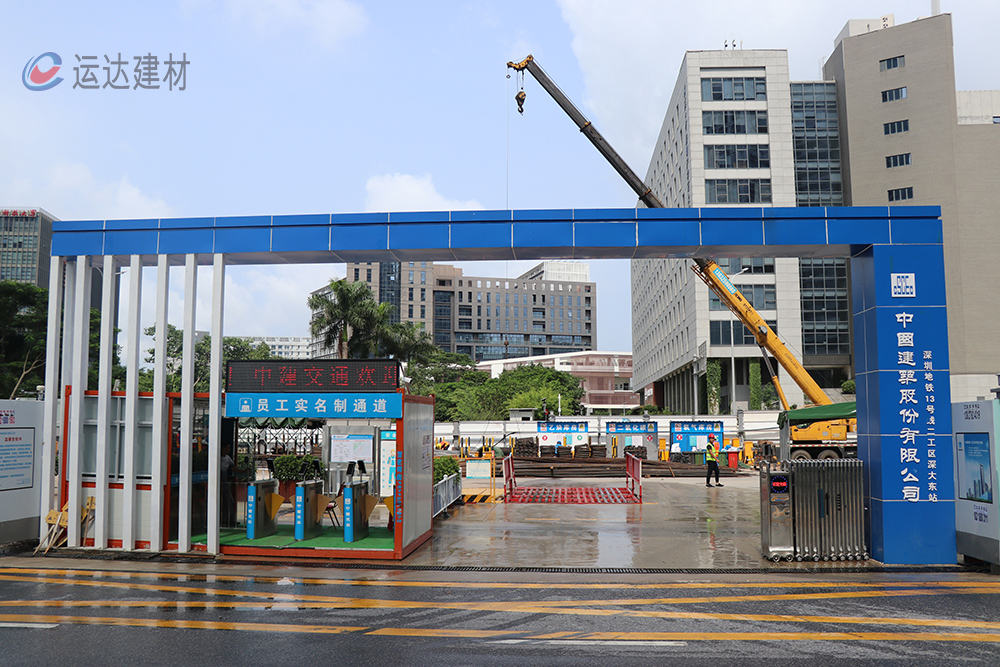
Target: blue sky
(309, 106)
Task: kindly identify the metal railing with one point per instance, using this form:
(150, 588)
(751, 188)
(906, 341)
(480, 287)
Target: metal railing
(447, 491)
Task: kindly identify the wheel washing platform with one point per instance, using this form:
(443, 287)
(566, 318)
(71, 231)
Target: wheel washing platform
(575, 495)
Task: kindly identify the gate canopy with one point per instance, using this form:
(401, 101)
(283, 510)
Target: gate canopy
(610, 233)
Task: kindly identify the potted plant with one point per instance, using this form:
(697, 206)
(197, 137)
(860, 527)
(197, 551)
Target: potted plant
(287, 470)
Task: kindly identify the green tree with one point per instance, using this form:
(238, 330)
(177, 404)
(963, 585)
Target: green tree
(349, 320)
(447, 376)
(491, 399)
(233, 349)
(755, 389)
(409, 343)
(23, 310)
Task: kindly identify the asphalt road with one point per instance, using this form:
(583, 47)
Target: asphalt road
(55, 612)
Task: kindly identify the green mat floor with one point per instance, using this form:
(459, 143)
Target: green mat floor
(331, 538)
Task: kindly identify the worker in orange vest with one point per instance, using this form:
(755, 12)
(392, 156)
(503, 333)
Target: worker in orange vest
(712, 458)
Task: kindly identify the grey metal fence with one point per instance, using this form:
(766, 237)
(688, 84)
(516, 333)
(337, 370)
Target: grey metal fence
(447, 491)
(827, 511)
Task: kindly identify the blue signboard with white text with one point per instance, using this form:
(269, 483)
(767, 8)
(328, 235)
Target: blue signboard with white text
(631, 427)
(329, 406)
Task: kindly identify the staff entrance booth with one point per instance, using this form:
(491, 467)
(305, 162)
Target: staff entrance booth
(901, 364)
(377, 448)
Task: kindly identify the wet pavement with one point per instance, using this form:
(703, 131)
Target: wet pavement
(680, 524)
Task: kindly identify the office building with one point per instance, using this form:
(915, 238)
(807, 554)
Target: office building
(25, 245)
(550, 309)
(726, 140)
(911, 139)
(286, 347)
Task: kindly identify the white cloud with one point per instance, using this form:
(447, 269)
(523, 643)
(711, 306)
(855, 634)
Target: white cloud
(329, 22)
(405, 192)
(69, 190)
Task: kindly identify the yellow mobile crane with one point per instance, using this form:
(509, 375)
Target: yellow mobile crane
(818, 436)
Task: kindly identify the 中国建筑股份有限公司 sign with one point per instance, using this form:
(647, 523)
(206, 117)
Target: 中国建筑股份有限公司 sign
(314, 405)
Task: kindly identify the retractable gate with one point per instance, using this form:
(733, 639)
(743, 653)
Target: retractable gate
(827, 511)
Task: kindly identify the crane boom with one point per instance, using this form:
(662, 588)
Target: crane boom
(706, 269)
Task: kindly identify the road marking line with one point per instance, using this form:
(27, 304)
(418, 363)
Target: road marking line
(639, 643)
(186, 624)
(35, 626)
(443, 632)
(494, 585)
(303, 605)
(772, 597)
(626, 638)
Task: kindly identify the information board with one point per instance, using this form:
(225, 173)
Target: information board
(307, 375)
(693, 436)
(17, 458)
(351, 447)
(977, 520)
(387, 467)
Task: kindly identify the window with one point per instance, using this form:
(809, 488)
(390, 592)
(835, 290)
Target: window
(738, 191)
(891, 63)
(900, 160)
(411, 295)
(411, 312)
(733, 88)
(423, 312)
(734, 122)
(368, 275)
(894, 94)
(479, 310)
(465, 324)
(900, 194)
(761, 297)
(357, 275)
(423, 294)
(411, 277)
(738, 156)
(465, 310)
(735, 265)
(896, 127)
(423, 277)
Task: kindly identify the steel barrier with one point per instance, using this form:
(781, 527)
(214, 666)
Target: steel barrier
(633, 475)
(447, 491)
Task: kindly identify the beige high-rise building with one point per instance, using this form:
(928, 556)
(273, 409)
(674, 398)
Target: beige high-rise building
(911, 139)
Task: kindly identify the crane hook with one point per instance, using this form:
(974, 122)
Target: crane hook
(519, 98)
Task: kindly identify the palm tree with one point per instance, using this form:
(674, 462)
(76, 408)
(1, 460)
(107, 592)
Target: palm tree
(344, 317)
(408, 342)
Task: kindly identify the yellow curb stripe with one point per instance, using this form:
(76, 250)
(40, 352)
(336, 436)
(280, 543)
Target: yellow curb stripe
(773, 597)
(790, 636)
(443, 632)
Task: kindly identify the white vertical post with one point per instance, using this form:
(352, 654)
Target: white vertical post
(187, 404)
(131, 416)
(78, 379)
(108, 307)
(161, 420)
(215, 402)
(53, 390)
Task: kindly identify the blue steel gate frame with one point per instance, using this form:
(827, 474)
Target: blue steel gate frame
(898, 297)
